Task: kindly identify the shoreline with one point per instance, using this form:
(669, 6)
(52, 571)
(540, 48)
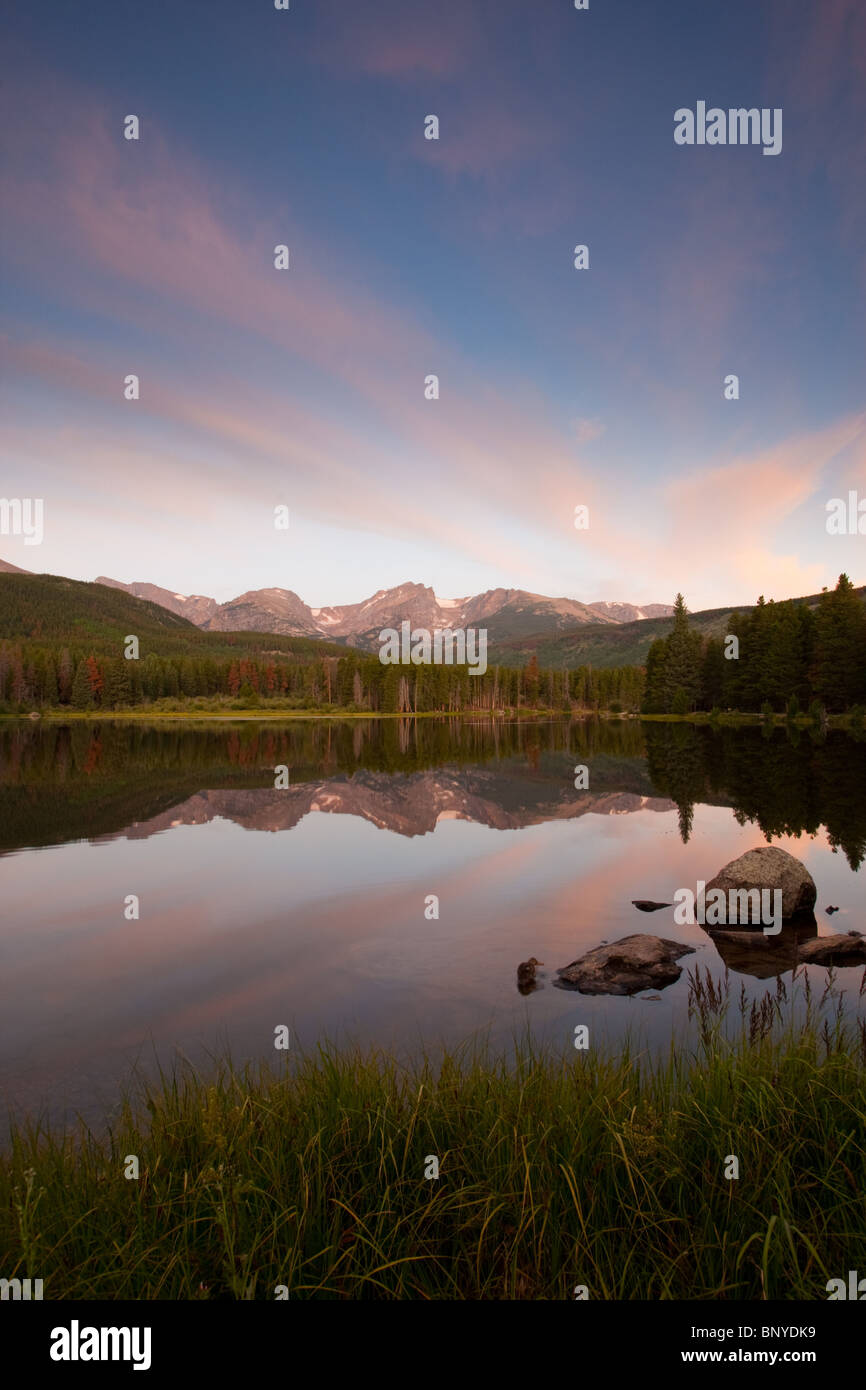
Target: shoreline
(802, 721)
(344, 1173)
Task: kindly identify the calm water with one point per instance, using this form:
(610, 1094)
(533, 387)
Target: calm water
(306, 906)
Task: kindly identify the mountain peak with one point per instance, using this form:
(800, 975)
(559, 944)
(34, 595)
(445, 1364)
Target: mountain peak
(506, 613)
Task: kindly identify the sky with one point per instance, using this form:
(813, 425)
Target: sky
(304, 388)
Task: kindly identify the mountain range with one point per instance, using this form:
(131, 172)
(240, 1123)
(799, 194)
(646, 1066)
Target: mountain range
(560, 632)
(505, 613)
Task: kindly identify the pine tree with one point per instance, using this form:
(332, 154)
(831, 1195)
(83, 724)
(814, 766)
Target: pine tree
(151, 677)
(65, 675)
(118, 687)
(682, 669)
(186, 677)
(755, 670)
(390, 691)
(712, 674)
(680, 701)
(733, 686)
(653, 698)
(50, 692)
(532, 680)
(81, 694)
(18, 681)
(839, 675)
(783, 655)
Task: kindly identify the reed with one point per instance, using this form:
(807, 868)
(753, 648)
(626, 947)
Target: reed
(604, 1169)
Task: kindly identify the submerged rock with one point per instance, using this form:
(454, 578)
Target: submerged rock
(751, 952)
(849, 949)
(626, 966)
(647, 905)
(770, 867)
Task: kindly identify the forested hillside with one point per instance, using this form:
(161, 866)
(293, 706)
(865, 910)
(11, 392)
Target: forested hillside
(62, 644)
(777, 656)
(52, 609)
(623, 644)
(66, 644)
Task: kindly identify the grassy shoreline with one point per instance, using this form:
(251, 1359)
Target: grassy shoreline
(600, 1169)
(149, 715)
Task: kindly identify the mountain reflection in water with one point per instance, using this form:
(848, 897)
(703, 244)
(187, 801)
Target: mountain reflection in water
(406, 775)
(306, 906)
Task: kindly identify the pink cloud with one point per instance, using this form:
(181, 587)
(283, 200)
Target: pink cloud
(148, 239)
(713, 532)
(723, 522)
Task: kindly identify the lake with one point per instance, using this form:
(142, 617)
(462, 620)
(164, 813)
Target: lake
(307, 905)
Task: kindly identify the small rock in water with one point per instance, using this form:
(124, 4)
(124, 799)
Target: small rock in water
(626, 966)
(849, 949)
(646, 905)
(831, 910)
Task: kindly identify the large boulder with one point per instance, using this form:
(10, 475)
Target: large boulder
(771, 868)
(626, 966)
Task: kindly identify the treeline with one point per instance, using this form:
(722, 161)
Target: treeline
(363, 682)
(40, 677)
(779, 658)
(43, 677)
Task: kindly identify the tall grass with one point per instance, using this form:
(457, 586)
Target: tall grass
(604, 1169)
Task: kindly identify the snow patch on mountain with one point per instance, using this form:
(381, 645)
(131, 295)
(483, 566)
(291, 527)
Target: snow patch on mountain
(510, 612)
